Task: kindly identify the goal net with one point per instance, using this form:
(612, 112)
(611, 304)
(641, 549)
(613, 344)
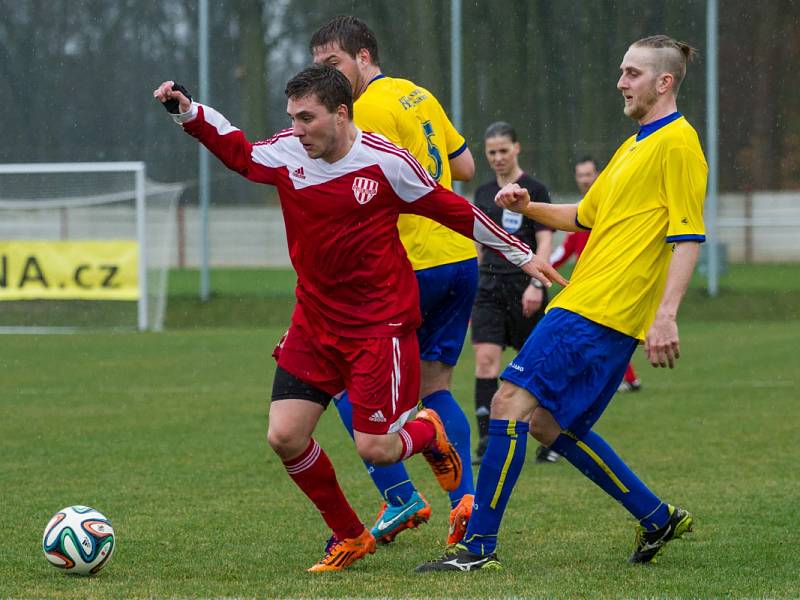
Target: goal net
(84, 245)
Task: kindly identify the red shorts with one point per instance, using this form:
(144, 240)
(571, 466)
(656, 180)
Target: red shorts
(381, 375)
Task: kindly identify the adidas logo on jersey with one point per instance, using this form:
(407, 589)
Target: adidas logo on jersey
(299, 173)
(377, 417)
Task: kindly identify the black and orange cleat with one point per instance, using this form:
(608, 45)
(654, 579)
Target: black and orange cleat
(440, 454)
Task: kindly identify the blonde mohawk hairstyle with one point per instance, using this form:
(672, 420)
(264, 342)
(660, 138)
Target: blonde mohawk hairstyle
(673, 56)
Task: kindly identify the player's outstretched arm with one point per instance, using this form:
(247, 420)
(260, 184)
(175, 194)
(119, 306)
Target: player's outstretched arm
(558, 216)
(455, 212)
(531, 300)
(213, 130)
(168, 93)
(541, 270)
(662, 344)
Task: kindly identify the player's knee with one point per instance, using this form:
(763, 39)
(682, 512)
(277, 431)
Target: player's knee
(285, 442)
(378, 456)
(540, 433)
(486, 367)
(435, 376)
(375, 452)
(426, 388)
(543, 426)
(512, 403)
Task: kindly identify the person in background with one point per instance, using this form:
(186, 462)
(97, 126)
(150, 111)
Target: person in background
(509, 304)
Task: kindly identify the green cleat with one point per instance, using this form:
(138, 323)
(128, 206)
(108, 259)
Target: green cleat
(458, 558)
(649, 543)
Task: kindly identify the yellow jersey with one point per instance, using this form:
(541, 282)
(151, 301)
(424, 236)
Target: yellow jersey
(648, 197)
(412, 118)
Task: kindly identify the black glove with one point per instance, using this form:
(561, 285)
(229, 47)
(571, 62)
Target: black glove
(172, 105)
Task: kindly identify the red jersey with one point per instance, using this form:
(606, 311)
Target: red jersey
(574, 243)
(353, 276)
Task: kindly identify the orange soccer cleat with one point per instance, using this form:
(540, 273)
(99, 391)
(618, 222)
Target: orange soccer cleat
(440, 454)
(342, 553)
(459, 518)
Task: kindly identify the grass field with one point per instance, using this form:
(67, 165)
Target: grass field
(165, 434)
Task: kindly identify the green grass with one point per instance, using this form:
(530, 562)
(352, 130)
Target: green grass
(165, 433)
(240, 298)
(68, 313)
(264, 297)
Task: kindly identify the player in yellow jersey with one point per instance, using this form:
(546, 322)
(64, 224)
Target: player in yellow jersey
(445, 262)
(645, 214)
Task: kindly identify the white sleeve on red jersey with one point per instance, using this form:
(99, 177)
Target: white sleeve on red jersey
(408, 178)
(558, 257)
(257, 162)
(455, 212)
(423, 196)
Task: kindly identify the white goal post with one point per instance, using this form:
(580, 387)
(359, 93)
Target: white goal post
(97, 232)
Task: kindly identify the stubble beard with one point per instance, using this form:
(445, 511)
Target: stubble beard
(638, 109)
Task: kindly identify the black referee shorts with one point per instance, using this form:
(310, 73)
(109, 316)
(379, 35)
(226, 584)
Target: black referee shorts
(497, 315)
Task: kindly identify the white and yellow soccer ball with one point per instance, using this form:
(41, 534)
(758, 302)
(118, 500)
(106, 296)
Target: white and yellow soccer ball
(79, 540)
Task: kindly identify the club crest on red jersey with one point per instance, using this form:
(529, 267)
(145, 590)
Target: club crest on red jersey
(364, 189)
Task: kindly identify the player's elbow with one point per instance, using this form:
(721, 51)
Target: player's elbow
(462, 167)
(466, 174)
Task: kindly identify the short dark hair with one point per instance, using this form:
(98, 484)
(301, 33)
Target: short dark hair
(500, 129)
(329, 85)
(584, 159)
(350, 33)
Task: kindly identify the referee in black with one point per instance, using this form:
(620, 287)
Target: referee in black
(508, 304)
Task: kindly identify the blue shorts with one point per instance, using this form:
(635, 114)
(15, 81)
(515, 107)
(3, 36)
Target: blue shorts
(572, 366)
(446, 295)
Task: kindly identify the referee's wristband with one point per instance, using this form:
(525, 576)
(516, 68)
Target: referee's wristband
(537, 284)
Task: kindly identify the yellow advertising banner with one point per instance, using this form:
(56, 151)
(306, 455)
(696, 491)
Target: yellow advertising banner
(69, 270)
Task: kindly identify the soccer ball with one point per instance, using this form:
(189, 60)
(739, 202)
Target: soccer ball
(79, 540)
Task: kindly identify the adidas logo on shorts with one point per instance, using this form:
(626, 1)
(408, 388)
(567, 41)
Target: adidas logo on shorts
(377, 417)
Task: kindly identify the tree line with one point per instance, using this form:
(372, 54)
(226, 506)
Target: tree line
(78, 76)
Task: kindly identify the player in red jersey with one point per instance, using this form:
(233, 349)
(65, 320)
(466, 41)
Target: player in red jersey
(586, 172)
(573, 244)
(341, 192)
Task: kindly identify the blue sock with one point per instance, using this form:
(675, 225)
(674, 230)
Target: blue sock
(392, 481)
(500, 469)
(593, 457)
(457, 427)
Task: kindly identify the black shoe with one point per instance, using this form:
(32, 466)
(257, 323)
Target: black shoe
(480, 450)
(545, 455)
(650, 543)
(458, 558)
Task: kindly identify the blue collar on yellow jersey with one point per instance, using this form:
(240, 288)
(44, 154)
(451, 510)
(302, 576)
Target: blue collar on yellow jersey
(646, 130)
(378, 76)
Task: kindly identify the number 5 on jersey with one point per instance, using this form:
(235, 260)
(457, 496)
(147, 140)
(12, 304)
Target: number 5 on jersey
(436, 169)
